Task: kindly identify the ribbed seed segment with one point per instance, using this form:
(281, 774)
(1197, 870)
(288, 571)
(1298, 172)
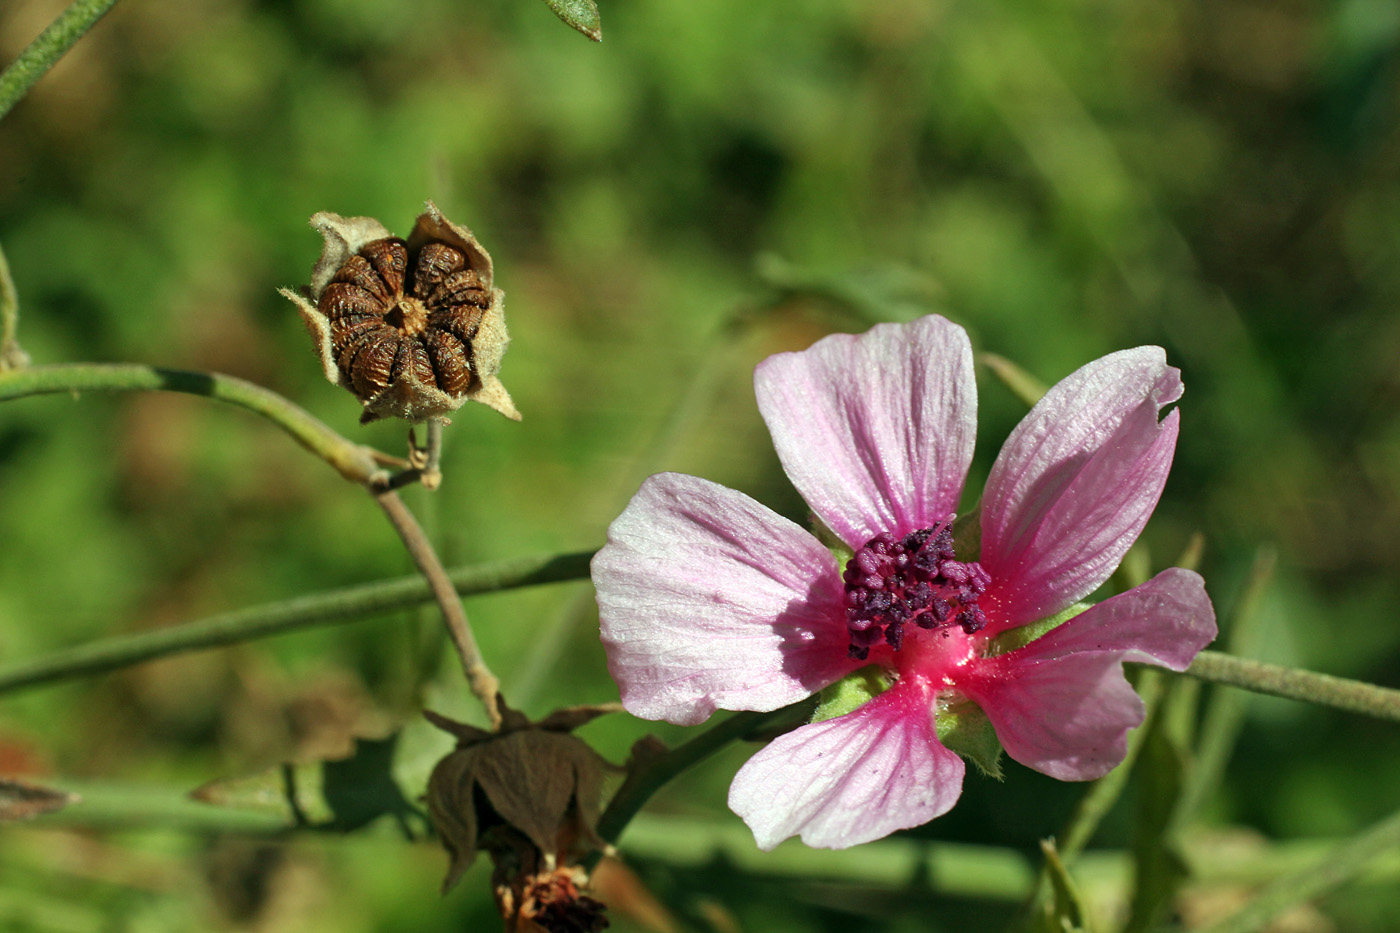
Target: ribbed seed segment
(436, 261)
(451, 361)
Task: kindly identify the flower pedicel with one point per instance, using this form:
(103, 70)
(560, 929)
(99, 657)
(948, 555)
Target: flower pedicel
(709, 600)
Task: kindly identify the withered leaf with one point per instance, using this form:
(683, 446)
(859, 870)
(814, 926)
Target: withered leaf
(21, 800)
(538, 786)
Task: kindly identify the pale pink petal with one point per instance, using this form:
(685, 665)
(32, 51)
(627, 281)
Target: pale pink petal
(1061, 704)
(1165, 621)
(709, 600)
(852, 779)
(875, 431)
(1067, 717)
(1075, 483)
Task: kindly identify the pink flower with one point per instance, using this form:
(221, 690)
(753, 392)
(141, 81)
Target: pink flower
(709, 600)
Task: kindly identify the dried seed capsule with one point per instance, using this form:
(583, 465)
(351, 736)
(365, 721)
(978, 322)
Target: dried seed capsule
(414, 328)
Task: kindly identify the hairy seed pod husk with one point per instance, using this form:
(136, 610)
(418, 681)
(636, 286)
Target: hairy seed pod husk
(413, 328)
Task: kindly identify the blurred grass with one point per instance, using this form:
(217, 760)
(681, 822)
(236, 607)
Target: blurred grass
(1064, 179)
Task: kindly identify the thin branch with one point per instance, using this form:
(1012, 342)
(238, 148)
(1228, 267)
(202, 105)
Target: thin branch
(483, 683)
(1224, 713)
(337, 607)
(647, 777)
(41, 54)
(1094, 805)
(355, 462)
(424, 464)
(432, 468)
(1290, 683)
(11, 356)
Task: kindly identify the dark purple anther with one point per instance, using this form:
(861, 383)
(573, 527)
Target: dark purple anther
(893, 581)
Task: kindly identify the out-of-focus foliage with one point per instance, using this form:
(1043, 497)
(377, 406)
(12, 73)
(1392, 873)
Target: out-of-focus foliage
(1063, 177)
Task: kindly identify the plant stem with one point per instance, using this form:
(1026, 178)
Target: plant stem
(424, 463)
(1094, 805)
(354, 461)
(11, 356)
(1224, 714)
(1022, 384)
(337, 607)
(1340, 865)
(1322, 689)
(647, 778)
(41, 54)
(432, 468)
(484, 684)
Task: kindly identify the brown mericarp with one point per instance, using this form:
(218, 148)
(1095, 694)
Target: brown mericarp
(414, 328)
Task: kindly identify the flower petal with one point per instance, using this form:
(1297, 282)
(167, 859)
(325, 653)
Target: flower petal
(1165, 621)
(875, 431)
(1061, 704)
(1075, 483)
(851, 779)
(1067, 717)
(709, 600)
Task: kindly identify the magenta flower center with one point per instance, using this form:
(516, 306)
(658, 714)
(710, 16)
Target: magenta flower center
(892, 581)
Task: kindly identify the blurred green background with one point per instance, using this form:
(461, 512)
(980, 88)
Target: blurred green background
(713, 183)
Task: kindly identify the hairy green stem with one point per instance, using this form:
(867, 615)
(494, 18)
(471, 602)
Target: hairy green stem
(41, 54)
(1338, 866)
(484, 685)
(337, 607)
(355, 462)
(1322, 689)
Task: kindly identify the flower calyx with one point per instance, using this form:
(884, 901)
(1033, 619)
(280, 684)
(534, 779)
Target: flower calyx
(529, 796)
(413, 328)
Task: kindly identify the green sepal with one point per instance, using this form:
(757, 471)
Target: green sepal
(963, 728)
(580, 14)
(839, 549)
(967, 533)
(851, 692)
(1020, 637)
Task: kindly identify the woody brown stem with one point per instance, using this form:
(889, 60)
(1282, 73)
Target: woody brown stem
(432, 470)
(482, 682)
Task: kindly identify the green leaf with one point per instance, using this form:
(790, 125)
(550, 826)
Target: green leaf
(580, 14)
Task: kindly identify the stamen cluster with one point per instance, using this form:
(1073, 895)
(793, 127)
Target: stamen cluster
(892, 581)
